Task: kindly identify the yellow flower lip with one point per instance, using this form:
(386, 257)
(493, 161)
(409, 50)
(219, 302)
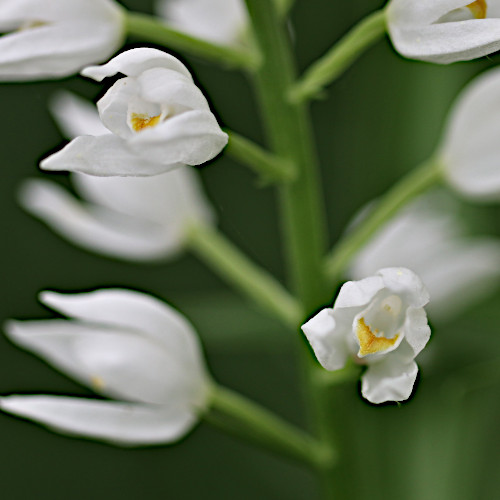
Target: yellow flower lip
(141, 121)
(369, 343)
(478, 9)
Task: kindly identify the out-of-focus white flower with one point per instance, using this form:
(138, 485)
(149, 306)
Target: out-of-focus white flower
(157, 120)
(137, 218)
(218, 21)
(380, 321)
(56, 38)
(444, 31)
(125, 345)
(470, 151)
(428, 237)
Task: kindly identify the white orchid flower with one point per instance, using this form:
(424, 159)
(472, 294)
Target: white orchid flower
(135, 218)
(218, 21)
(127, 346)
(470, 150)
(444, 31)
(157, 120)
(56, 38)
(428, 237)
(379, 321)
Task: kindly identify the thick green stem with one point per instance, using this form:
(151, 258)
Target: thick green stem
(416, 182)
(301, 201)
(237, 415)
(151, 29)
(288, 129)
(329, 67)
(236, 268)
(270, 167)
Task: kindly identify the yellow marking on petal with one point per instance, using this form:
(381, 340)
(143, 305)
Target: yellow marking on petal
(97, 382)
(478, 9)
(140, 121)
(35, 23)
(369, 343)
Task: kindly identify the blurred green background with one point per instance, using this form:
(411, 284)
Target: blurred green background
(380, 119)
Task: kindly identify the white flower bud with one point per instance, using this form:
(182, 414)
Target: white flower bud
(127, 346)
(56, 38)
(444, 31)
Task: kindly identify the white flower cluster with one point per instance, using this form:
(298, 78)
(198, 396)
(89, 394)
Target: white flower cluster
(131, 164)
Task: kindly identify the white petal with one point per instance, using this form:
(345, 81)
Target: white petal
(105, 155)
(328, 340)
(416, 329)
(406, 284)
(470, 148)
(133, 310)
(409, 12)
(118, 423)
(193, 138)
(169, 199)
(389, 380)
(98, 229)
(462, 275)
(117, 362)
(412, 239)
(72, 38)
(134, 61)
(165, 86)
(416, 34)
(76, 116)
(114, 106)
(358, 293)
(219, 21)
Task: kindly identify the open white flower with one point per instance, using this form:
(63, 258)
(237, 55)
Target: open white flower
(218, 21)
(470, 150)
(56, 38)
(444, 31)
(380, 322)
(428, 237)
(127, 346)
(136, 218)
(156, 116)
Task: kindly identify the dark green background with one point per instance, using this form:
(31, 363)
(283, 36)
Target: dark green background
(380, 119)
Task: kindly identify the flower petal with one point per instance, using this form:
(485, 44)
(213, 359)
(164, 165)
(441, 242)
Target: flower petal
(463, 274)
(170, 200)
(105, 155)
(73, 36)
(116, 362)
(131, 310)
(389, 380)
(134, 61)
(416, 34)
(114, 105)
(193, 138)
(328, 340)
(96, 228)
(218, 21)
(75, 116)
(470, 148)
(406, 284)
(358, 293)
(416, 329)
(118, 423)
(162, 85)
